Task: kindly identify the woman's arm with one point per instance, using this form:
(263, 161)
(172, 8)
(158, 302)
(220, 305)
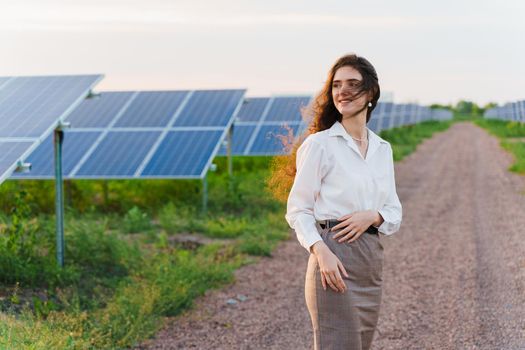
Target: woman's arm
(311, 167)
(307, 184)
(392, 211)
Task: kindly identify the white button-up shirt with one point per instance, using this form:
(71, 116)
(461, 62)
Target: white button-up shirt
(333, 179)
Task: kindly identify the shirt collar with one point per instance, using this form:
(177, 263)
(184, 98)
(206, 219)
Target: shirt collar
(373, 139)
(338, 130)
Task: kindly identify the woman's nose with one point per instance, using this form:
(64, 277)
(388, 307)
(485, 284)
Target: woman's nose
(344, 90)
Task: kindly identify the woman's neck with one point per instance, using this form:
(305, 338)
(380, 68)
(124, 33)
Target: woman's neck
(355, 125)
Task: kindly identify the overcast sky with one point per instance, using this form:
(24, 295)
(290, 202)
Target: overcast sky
(424, 51)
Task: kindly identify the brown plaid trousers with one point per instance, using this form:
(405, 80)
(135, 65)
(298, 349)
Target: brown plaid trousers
(346, 320)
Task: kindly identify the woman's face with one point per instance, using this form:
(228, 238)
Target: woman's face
(345, 85)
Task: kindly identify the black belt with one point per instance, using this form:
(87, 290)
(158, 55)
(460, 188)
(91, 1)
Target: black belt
(332, 223)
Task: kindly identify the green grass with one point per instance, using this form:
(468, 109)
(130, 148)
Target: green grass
(124, 270)
(518, 150)
(512, 139)
(502, 128)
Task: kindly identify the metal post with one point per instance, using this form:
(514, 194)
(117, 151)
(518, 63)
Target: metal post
(59, 197)
(230, 161)
(204, 194)
(229, 151)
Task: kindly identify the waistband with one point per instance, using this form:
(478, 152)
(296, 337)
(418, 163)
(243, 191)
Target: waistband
(331, 223)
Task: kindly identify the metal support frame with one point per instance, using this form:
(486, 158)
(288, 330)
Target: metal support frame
(230, 160)
(59, 197)
(59, 193)
(229, 151)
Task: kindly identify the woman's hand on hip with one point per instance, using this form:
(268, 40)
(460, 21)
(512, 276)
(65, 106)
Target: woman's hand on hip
(330, 267)
(353, 225)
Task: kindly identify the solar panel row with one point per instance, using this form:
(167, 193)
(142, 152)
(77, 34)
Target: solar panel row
(512, 111)
(263, 125)
(155, 134)
(267, 126)
(146, 134)
(30, 109)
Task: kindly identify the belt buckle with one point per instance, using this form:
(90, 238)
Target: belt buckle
(323, 224)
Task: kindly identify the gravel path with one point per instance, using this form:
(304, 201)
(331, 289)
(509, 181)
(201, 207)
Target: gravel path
(454, 275)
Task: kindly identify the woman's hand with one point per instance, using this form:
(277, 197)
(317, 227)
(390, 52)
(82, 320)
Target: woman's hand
(329, 265)
(355, 224)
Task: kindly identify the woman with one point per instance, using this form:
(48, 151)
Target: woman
(342, 200)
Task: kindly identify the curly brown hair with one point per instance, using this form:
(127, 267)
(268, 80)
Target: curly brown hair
(323, 114)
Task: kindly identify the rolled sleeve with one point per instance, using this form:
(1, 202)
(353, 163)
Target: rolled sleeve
(305, 189)
(392, 211)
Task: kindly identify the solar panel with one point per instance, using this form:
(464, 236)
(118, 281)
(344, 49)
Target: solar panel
(271, 116)
(241, 136)
(119, 154)
(30, 108)
(274, 139)
(135, 135)
(152, 109)
(287, 109)
(100, 111)
(373, 124)
(190, 159)
(4, 80)
(210, 108)
(11, 152)
(75, 145)
(252, 109)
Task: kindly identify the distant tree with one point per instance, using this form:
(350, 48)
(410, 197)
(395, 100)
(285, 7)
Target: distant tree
(464, 107)
(440, 106)
(490, 105)
(487, 106)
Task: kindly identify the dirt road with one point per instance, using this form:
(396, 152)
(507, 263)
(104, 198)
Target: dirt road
(454, 275)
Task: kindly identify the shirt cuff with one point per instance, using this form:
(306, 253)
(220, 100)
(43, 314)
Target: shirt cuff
(389, 225)
(309, 245)
(307, 233)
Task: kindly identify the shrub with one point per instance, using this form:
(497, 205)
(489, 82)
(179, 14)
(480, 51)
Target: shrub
(179, 218)
(136, 221)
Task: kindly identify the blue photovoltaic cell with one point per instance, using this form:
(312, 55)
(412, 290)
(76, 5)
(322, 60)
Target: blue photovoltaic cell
(272, 139)
(372, 123)
(241, 136)
(210, 108)
(3, 80)
(152, 109)
(119, 154)
(252, 109)
(10, 152)
(409, 112)
(386, 121)
(98, 112)
(42, 160)
(286, 109)
(400, 115)
(387, 107)
(30, 106)
(183, 153)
